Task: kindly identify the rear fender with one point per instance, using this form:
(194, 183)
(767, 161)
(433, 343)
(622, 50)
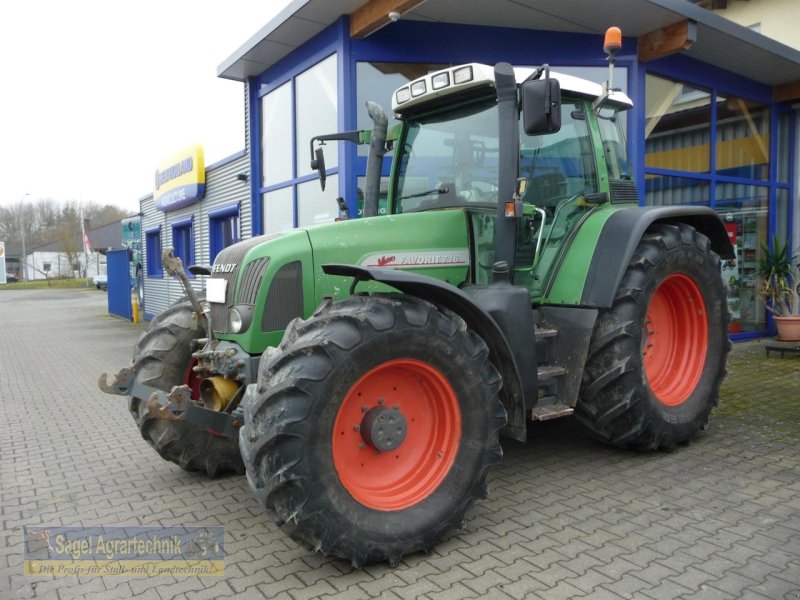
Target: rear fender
(621, 234)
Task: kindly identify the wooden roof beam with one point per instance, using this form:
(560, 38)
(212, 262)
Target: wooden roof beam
(375, 14)
(667, 40)
(786, 92)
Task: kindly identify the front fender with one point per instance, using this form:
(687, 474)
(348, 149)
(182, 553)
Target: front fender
(446, 295)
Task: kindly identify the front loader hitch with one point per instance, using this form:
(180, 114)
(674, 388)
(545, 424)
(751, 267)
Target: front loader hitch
(121, 384)
(170, 407)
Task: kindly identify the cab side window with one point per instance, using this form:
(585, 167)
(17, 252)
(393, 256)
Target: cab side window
(560, 165)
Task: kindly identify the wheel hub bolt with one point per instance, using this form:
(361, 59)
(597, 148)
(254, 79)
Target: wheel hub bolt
(384, 428)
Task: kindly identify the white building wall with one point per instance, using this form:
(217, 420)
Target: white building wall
(776, 19)
(59, 265)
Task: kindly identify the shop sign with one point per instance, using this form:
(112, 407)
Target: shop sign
(180, 180)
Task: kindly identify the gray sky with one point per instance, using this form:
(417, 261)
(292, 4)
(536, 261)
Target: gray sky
(96, 93)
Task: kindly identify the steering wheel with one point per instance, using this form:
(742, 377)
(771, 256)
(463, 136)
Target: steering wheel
(480, 190)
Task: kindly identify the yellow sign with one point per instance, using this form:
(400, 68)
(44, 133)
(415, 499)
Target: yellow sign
(180, 180)
(128, 551)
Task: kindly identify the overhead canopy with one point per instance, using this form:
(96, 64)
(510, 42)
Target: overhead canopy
(718, 41)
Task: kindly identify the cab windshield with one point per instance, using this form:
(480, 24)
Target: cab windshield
(449, 160)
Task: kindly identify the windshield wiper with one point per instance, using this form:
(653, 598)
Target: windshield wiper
(439, 190)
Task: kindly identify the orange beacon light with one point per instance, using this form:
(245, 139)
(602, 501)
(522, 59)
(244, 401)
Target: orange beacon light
(613, 40)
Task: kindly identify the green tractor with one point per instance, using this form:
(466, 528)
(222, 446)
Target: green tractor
(362, 372)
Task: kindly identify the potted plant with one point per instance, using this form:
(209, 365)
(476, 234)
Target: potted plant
(780, 281)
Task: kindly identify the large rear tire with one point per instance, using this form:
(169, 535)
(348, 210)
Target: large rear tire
(163, 359)
(657, 356)
(393, 370)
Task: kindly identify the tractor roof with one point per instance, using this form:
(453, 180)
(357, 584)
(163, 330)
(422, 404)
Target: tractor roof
(463, 78)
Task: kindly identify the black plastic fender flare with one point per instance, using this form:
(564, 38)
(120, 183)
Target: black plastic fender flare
(444, 294)
(621, 234)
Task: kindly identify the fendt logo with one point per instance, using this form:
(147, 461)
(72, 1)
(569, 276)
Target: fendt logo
(224, 268)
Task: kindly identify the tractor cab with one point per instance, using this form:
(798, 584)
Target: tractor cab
(448, 156)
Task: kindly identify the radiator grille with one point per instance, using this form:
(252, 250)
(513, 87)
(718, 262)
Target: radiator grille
(251, 280)
(623, 191)
(231, 255)
(285, 298)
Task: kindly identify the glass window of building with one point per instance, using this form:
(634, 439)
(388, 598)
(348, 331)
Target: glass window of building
(661, 190)
(743, 209)
(183, 242)
(276, 135)
(153, 247)
(223, 229)
(377, 81)
(316, 113)
(315, 206)
(784, 140)
(783, 226)
(677, 126)
(742, 138)
(278, 210)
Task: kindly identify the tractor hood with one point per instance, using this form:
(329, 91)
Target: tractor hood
(270, 280)
(433, 242)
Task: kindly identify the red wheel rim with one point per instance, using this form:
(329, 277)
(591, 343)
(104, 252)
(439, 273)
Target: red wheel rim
(398, 479)
(675, 340)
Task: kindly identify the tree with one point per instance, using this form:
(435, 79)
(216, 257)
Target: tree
(45, 219)
(69, 235)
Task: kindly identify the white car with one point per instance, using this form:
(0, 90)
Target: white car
(100, 282)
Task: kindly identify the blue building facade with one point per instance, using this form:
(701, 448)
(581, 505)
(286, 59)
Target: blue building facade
(698, 133)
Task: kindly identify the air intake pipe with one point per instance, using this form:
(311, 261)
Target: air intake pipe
(377, 150)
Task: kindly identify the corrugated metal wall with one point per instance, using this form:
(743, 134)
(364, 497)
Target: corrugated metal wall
(222, 189)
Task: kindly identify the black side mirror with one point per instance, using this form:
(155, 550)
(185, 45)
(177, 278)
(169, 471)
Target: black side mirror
(319, 164)
(541, 105)
(317, 156)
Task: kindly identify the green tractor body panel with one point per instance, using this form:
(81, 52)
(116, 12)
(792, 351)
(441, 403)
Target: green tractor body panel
(280, 250)
(434, 243)
(570, 271)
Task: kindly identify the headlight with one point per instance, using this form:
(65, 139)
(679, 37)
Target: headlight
(462, 75)
(239, 318)
(235, 320)
(442, 80)
(403, 95)
(418, 88)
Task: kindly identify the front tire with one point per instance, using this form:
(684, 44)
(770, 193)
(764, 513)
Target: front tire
(163, 359)
(424, 378)
(657, 356)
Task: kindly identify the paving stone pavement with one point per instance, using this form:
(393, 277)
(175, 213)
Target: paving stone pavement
(566, 517)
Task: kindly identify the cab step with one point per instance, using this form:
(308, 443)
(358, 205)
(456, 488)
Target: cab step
(550, 371)
(554, 411)
(545, 332)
